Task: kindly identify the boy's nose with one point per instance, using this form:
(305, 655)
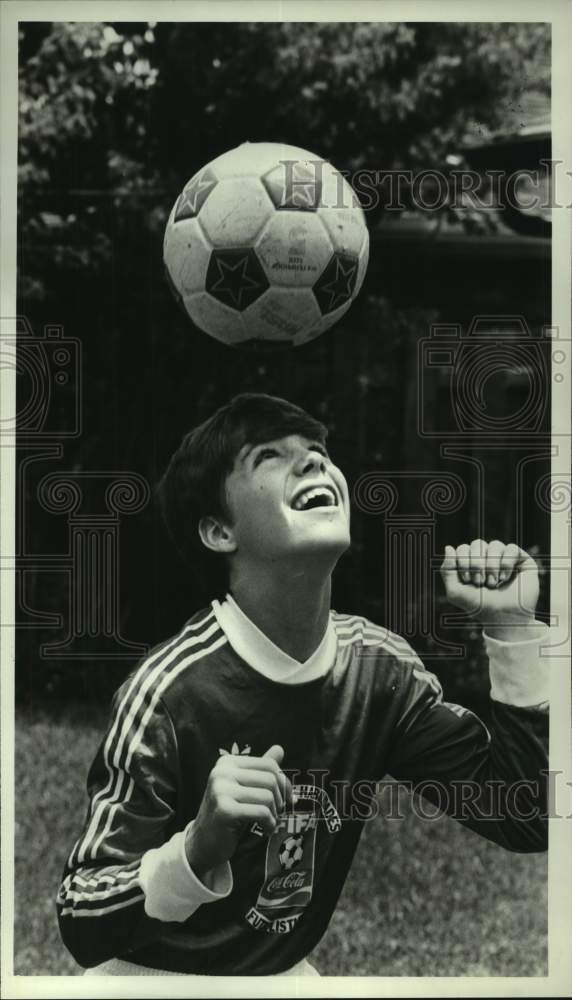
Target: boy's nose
(311, 462)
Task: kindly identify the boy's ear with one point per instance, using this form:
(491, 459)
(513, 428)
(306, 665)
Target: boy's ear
(216, 535)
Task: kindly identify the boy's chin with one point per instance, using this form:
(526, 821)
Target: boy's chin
(328, 544)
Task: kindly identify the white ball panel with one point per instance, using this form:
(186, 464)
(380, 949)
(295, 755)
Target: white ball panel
(323, 324)
(234, 213)
(186, 254)
(345, 227)
(362, 264)
(341, 213)
(281, 314)
(294, 248)
(215, 318)
(336, 191)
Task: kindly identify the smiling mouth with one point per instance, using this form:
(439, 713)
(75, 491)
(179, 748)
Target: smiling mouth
(315, 497)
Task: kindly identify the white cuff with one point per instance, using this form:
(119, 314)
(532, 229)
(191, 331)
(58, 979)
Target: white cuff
(172, 890)
(518, 670)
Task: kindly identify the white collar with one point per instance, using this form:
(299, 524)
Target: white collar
(263, 655)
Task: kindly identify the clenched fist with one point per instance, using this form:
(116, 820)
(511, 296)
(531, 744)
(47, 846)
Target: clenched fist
(240, 790)
(496, 582)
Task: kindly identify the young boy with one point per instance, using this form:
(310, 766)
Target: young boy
(228, 797)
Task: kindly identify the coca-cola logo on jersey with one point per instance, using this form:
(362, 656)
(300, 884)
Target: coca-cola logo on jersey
(285, 883)
(290, 861)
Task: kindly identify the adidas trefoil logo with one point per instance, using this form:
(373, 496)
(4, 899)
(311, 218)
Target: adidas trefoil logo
(234, 750)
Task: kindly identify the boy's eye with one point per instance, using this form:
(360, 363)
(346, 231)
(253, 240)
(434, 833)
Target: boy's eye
(320, 449)
(271, 452)
(265, 453)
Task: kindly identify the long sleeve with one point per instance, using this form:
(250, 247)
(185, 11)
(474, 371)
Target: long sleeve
(128, 873)
(492, 778)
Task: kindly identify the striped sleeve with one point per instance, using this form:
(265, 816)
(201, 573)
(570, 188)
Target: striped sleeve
(90, 892)
(133, 787)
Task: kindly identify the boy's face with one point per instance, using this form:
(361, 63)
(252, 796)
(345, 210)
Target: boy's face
(286, 497)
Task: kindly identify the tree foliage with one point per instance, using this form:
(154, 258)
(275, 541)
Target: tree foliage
(115, 117)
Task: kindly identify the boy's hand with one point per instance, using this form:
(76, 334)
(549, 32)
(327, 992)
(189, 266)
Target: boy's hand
(497, 583)
(240, 790)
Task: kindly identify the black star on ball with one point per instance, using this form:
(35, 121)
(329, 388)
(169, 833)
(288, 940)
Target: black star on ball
(337, 282)
(194, 195)
(236, 278)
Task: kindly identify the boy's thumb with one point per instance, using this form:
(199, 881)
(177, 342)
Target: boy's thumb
(276, 752)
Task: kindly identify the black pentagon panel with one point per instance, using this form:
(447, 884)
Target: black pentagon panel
(337, 282)
(295, 185)
(236, 278)
(195, 194)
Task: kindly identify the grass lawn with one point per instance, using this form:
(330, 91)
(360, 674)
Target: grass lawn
(424, 898)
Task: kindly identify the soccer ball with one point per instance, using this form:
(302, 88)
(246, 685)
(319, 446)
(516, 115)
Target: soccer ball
(266, 245)
(290, 852)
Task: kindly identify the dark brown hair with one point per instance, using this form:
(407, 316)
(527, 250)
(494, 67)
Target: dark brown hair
(193, 484)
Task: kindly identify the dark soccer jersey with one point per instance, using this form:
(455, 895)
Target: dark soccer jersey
(376, 712)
